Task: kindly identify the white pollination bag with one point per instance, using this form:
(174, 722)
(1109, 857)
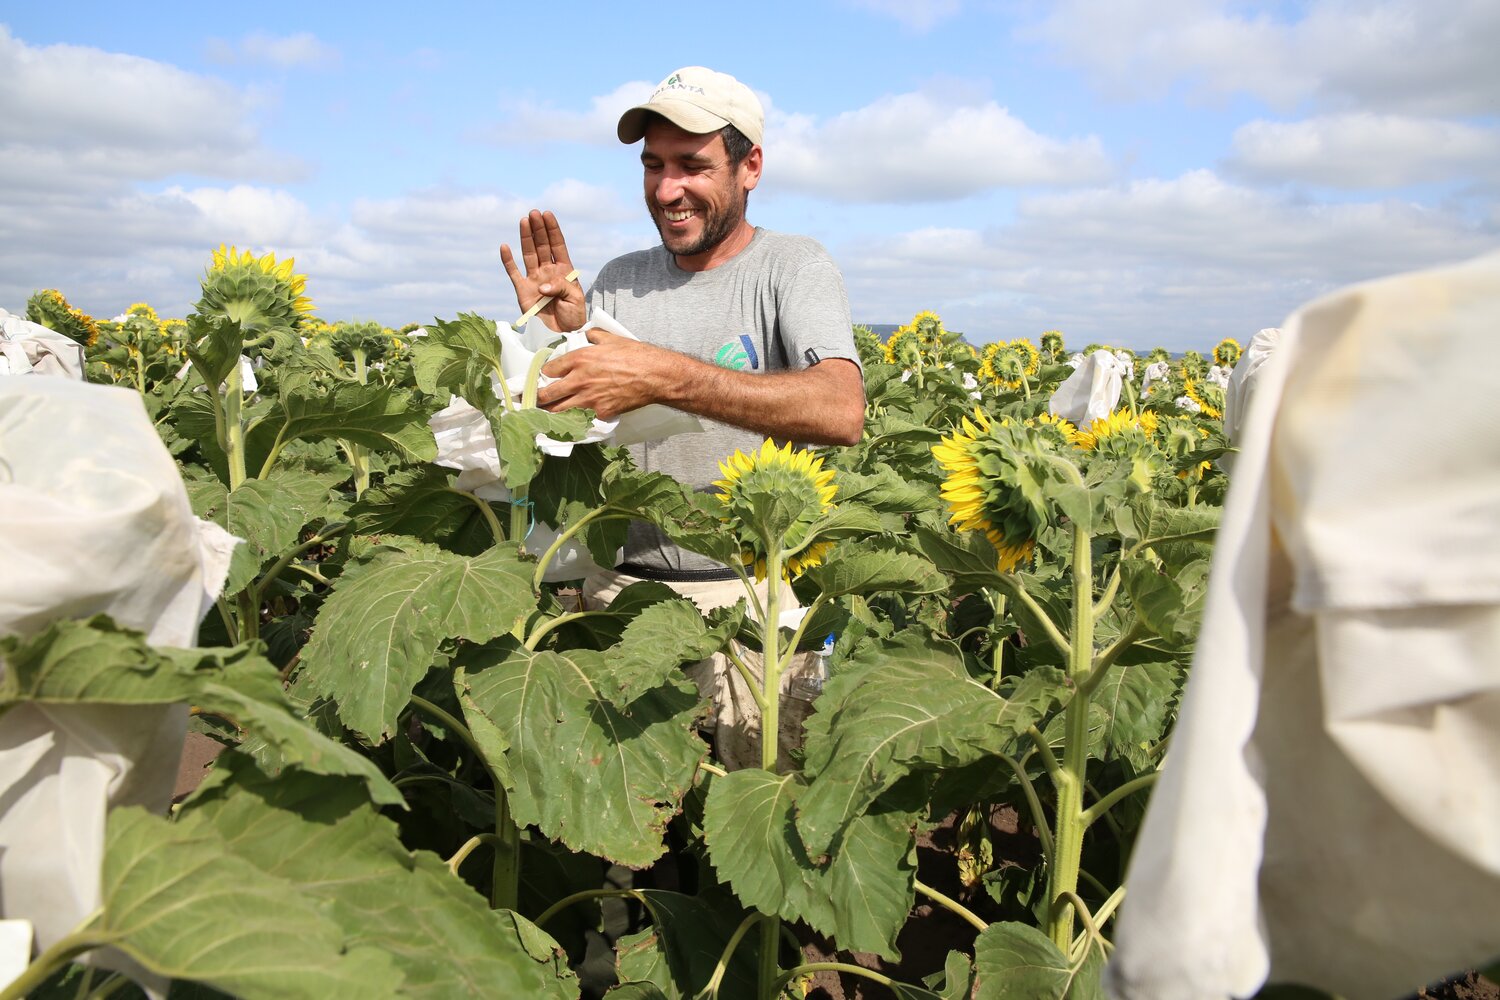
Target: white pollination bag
(466, 441)
(93, 520)
(1329, 811)
(28, 348)
(1092, 392)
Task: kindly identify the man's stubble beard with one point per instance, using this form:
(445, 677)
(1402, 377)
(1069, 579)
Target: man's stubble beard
(717, 228)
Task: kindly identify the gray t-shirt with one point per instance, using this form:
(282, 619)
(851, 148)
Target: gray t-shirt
(779, 305)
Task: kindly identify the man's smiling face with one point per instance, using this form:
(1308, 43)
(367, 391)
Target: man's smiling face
(695, 195)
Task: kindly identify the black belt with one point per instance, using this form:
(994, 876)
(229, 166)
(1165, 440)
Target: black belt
(677, 575)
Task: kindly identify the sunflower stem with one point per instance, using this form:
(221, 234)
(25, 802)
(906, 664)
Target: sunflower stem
(1062, 880)
(505, 878)
(770, 727)
(234, 430)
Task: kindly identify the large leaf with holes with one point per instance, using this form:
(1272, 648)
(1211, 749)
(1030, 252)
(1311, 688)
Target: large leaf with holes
(900, 705)
(269, 514)
(600, 778)
(380, 629)
(656, 644)
(386, 420)
(861, 898)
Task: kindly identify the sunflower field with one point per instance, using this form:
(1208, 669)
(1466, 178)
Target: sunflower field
(442, 777)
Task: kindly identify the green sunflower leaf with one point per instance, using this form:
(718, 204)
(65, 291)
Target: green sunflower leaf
(1137, 698)
(166, 888)
(381, 419)
(380, 628)
(422, 503)
(866, 568)
(1017, 962)
(586, 773)
(898, 706)
(321, 840)
(214, 347)
(861, 898)
(98, 662)
(269, 514)
(679, 952)
(655, 646)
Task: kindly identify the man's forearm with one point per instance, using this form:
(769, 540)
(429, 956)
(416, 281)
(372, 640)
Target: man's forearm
(824, 404)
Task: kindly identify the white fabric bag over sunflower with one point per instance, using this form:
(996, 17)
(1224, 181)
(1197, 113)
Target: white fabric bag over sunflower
(96, 521)
(28, 348)
(1329, 812)
(466, 442)
(1093, 390)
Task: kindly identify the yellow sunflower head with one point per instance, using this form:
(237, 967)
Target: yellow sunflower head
(774, 496)
(927, 328)
(992, 473)
(1052, 345)
(903, 349)
(48, 308)
(1227, 352)
(257, 292)
(1003, 365)
(1029, 354)
(1118, 423)
(1209, 397)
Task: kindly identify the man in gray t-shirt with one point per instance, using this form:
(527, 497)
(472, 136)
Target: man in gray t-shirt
(746, 328)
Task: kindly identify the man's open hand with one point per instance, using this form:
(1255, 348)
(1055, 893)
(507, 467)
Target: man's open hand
(613, 376)
(545, 254)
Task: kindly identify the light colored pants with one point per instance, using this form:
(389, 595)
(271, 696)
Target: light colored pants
(735, 719)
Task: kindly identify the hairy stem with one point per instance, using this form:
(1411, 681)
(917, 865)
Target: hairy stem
(950, 904)
(711, 989)
(506, 881)
(1062, 878)
(55, 957)
(586, 894)
(1103, 806)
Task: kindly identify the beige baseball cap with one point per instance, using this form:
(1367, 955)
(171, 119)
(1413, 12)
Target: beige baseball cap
(701, 101)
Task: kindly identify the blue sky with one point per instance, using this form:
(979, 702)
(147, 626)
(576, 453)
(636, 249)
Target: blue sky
(1131, 172)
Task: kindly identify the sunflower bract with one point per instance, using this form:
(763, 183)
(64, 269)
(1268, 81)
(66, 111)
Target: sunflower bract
(774, 496)
(997, 472)
(258, 292)
(50, 309)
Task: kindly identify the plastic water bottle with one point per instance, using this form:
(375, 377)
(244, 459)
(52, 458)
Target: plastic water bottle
(810, 684)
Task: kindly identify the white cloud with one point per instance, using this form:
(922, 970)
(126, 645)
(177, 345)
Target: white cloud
(1365, 151)
(258, 48)
(253, 215)
(1180, 262)
(918, 147)
(531, 123)
(917, 15)
(76, 117)
(1396, 55)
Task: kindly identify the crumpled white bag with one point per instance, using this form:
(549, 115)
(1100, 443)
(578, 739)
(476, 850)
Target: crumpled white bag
(466, 441)
(1092, 392)
(1243, 380)
(1219, 375)
(1156, 371)
(651, 422)
(28, 348)
(1329, 812)
(93, 519)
